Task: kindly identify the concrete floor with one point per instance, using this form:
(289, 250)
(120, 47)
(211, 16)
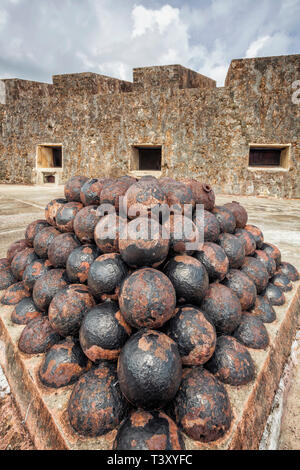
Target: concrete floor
(278, 219)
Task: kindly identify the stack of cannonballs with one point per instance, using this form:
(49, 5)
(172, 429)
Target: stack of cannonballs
(147, 330)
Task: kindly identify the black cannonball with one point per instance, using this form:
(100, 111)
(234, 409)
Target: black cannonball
(257, 272)
(106, 274)
(60, 249)
(226, 219)
(242, 286)
(263, 310)
(257, 234)
(282, 281)
(34, 271)
(234, 249)
(252, 332)
(43, 240)
(289, 270)
(214, 259)
(274, 294)
(47, 286)
(73, 188)
(79, 263)
(25, 311)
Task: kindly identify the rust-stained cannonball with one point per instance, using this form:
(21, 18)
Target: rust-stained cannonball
(43, 240)
(257, 272)
(147, 299)
(85, 223)
(34, 271)
(252, 332)
(289, 271)
(16, 247)
(202, 193)
(282, 281)
(222, 307)
(66, 215)
(113, 190)
(38, 336)
(226, 219)
(178, 194)
(14, 294)
(149, 369)
(7, 278)
(96, 405)
(21, 260)
(184, 235)
(104, 332)
(63, 364)
(4, 263)
(34, 228)
(202, 407)
(239, 212)
(267, 261)
(242, 286)
(144, 196)
(47, 286)
(106, 234)
(189, 278)
(79, 263)
(68, 308)
(25, 311)
(106, 274)
(274, 294)
(234, 249)
(146, 244)
(73, 188)
(263, 310)
(248, 239)
(194, 335)
(52, 208)
(145, 430)
(214, 259)
(208, 225)
(60, 249)
(231, 363)
(90, 192)
(257, 234)
(273, 251)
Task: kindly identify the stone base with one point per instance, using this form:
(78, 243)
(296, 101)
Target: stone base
(44, 410)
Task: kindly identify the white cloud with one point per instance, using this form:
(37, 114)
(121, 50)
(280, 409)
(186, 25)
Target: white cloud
(145, 19)
(256, 46)
(3, 18)
(269, 45)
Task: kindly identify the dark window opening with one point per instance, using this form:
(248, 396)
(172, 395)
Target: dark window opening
(265, 157)
(149, 158)
(49, 156)
(49, 179)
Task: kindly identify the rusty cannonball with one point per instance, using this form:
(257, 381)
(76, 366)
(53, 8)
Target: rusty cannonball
(282, 281)
(189, 278)
(66, 215)
(14, 294)
(52, 209)
(208, 226)
(263, 310)
(107, 231)
(90, 192)
(21, 260)
(273, 251)
(252, 332)
(184, 235)
(73, 188)
(222, 307)
(112, 191)
(202, 193)
(149, 369)
(85, 223)
(257, 234)
(146, 244)
(60, 249)
(104, 332)
(80, 261)
(226, 219)
(267, 261)
(145, 430)
(194, 335)
(106, 274)
(96, 405)
(274, 294)
(239, 212)
(4, 263)
(214, 259)
(25, 311)
(233, 248)
(144, 196)
(68, 308)
(34, 228)
(231, 363)
(38, 336)
(257, 272)
(242, 286)
(147, 299)
(34, 271)
(202, 406)
(7, 278)
(248, 239)
(43, 240)
(16, 247)
(63, 364)
(47, 286)
(178, 194)
(289, 271)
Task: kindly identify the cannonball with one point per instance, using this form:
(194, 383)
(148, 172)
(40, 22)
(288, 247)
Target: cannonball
(38, 336)
(73, 188)
(214, 259)
(202, 406)
(104, 332)
(231, 362)
(66, 215)
(222, 307)
(21, 260)
(267, 261)
(79, 263)
(112, 192)
(274, 294)
(273, 251)
(289, 271)
(47, 286)
(107, 231)
(145, 430)
(68, 308)
(43, 240)
(194, 335)
(149, 369)
(34, 271)
(144, 196)
(257, 234)
(25, 311)
(239, 212)
(178, 195)
(226, 219)
(34, 228)
(263, 310)
(282, 281)
(209, 226)
(63, 364)
(257, 272)
(252, 332)
(234, 249)
(202, 193)
(147, 299)
(52, 209)
(85, 223)
(242, 286)
(183, 234)
(14, 294)
(7, 278)
(16, 247)
(90, 192)
(248, 239)
(189, 278)
(60, 249)
(106, 274)
(96, 405)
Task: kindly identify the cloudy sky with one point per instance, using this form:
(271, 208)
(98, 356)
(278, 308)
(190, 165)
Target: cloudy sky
(40, 38)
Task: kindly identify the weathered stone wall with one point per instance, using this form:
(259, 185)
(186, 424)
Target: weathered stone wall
(204, 131)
